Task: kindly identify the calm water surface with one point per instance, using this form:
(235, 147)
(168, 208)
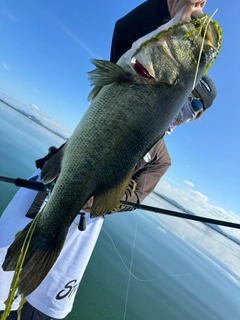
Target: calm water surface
(144, 266)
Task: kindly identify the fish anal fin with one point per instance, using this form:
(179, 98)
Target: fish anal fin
(52, 167)
(41, 255)
(106, 201)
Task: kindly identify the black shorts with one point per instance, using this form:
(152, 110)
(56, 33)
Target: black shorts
(28, 313)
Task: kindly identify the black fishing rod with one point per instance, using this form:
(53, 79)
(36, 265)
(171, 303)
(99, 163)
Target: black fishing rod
(29, 184)
(181, 215)
(39, 186)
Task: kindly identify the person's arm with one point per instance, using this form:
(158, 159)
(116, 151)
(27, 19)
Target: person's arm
(140, 21)
(147, 175)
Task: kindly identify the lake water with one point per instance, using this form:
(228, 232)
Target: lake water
(145, 265)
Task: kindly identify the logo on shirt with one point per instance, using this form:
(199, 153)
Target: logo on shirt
(68, 291)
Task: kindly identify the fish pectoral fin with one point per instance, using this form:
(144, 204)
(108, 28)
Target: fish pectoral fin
(105, 201)
(52, 167)
(107, 72)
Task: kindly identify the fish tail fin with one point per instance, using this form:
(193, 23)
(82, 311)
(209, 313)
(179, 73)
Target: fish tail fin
(41, 255)
(105, 202)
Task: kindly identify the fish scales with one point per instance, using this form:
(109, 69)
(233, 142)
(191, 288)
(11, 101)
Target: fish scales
(106, 117)
(102, 122)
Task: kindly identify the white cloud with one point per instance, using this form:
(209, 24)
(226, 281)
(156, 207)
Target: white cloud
(199, 195)
(34, 106)
(199, 204)
(8, 15)
(189, 183)
(6, 66)
(193, 200)
(172, 182)
(75, 38)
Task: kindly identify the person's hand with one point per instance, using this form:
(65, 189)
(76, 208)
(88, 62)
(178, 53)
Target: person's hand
(88, 205)
(175, 5)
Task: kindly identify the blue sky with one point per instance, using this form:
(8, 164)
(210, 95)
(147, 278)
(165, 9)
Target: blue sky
(46, 47)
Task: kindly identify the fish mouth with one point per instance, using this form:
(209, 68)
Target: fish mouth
(204, 34)
(209, 30)
(140, 69)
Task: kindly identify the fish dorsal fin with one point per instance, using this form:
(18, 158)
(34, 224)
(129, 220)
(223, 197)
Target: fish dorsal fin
(105, 201)
(52, 167)
(106, 72)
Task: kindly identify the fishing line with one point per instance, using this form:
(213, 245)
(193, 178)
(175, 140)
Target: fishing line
(145, 280)
(130, 270)
(133, 248)
(209, 19)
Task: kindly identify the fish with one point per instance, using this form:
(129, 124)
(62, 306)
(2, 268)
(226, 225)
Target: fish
(132, 104)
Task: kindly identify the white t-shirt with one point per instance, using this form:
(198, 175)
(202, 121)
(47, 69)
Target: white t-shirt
(55, 295)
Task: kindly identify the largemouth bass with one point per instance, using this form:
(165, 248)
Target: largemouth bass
(133, 103)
